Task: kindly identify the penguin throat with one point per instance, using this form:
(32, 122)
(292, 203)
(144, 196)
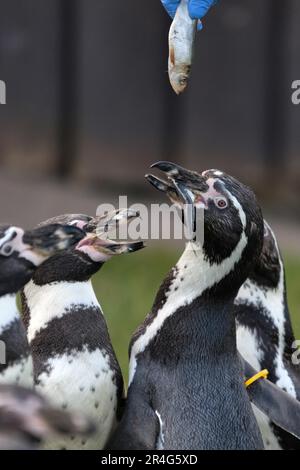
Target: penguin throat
(44, 304)
(192, 280)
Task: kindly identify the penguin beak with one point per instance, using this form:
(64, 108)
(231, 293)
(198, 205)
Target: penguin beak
(98, 245)
(49, 239)
(107, 247)
(180, 186)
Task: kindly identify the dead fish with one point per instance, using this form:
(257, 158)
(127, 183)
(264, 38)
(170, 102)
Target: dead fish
(181, 42)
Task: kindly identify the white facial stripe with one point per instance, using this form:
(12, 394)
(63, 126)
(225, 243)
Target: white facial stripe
(16, 243)
(54, 300)
(239, 208)
(214, 172)
(195, 275)
(78, 223)
(8, 311)
(7, 236)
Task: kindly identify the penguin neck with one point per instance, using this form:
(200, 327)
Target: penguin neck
(270, 314)
(44, 304)
(190, 307)
(8, 311)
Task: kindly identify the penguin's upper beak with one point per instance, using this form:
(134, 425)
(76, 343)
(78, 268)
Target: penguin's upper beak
(181, 186)
(49, 239)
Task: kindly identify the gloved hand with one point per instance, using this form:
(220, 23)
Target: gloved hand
(197, 8)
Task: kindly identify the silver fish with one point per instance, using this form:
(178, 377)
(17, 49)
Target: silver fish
(181, 41)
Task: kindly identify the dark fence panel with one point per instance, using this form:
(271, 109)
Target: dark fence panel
(88, 93)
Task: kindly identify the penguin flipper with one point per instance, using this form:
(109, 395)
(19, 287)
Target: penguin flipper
(281, 408)
(138, 429)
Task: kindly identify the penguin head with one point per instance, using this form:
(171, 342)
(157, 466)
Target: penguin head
(98, 244)
(232, 219)
(269, 266)
(21, 252)
(85, 258)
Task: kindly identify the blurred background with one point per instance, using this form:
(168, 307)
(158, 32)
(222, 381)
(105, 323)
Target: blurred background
(89, 108)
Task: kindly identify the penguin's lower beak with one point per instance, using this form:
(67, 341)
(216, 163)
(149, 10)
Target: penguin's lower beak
(101, 250)
(108, 247)
(49, 239)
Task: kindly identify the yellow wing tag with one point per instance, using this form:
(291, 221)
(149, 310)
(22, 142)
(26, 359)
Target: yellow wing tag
(263, 374)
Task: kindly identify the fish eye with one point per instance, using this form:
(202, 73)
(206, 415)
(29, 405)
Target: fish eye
(221, 202)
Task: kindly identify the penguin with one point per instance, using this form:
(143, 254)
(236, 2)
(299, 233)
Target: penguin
(20, 253)
(265, 335)
(27, 419)
(186, 385)
(75, 366)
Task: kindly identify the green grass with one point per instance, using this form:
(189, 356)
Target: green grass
(126, 287)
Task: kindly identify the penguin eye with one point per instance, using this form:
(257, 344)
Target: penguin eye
(221, 202)
(7, 250)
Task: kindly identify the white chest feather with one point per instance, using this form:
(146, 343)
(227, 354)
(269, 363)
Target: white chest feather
(19, 373)
(55, 300)
(82, 381)
(194, 274)
(8, 311)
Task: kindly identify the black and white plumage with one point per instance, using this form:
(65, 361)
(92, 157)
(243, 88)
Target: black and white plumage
(75, 366)
(20, 254)
(265, 335)
(27, 419)
(186, 380)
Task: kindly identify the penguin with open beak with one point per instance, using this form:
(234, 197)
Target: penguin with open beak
(75, 366)
(20, 254)
(187, 380)
(186, 386)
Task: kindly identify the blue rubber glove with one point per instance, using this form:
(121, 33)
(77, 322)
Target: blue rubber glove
(197, 8)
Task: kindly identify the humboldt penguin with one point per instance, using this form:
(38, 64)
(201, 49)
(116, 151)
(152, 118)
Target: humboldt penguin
(75, 366)
(265, 335)
(186, 389)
